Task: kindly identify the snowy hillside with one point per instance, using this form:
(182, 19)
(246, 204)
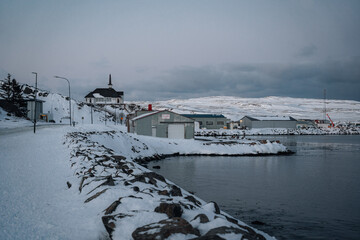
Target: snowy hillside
(235, 108)
(56, 107)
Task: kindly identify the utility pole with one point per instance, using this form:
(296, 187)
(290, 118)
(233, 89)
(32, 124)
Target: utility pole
(35, 101)
(92, 114)
(69, 94)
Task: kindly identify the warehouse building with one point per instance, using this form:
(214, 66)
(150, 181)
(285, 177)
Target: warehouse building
(209, 121)
(268, 122)
(165, 124)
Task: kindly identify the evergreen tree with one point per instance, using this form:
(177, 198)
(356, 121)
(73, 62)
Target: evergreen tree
(12, 93)
(6, 88)
(17, 94)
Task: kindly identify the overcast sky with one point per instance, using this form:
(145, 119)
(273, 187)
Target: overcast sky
(166, 49)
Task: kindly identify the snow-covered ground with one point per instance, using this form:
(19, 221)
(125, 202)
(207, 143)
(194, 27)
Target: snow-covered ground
(36, 202)
(235, 108)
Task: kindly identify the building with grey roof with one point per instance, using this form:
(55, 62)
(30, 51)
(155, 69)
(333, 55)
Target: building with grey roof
(268, 122)
(209, 121)
(165, 124)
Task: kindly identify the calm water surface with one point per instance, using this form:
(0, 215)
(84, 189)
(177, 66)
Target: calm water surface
(313, 194)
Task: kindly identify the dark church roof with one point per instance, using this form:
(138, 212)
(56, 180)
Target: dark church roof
(105, 92)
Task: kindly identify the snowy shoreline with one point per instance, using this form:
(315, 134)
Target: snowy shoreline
(145, 160)
(140, 204)
(277, 132)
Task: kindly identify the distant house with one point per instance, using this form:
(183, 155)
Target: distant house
(209, 121)
(30, 104)
(165, 124)
(105, 95)
(305, 123)
(234, 125)
(268, 122)
(322, 123)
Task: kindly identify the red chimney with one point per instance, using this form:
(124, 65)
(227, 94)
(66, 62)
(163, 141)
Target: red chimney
(150, 107)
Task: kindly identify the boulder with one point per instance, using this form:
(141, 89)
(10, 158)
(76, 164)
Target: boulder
(163, 192)
(212, 206)
(203, 218)
(109, 181)
(112, 206)
(163, 229)
(151, 176)
(95, 195)
(256, 222)
(231, 230)
(170, 209)
(175, 191)
(193, 200)
(212, 237)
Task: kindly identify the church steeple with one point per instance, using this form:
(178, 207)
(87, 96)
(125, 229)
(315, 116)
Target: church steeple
(110, 85)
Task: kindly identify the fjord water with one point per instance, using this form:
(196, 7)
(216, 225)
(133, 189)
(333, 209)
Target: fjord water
(313, 194)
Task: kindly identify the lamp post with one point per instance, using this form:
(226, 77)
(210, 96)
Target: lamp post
(69, 94)
(35, 100)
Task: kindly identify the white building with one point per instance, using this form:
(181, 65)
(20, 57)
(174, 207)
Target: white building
(105, 95)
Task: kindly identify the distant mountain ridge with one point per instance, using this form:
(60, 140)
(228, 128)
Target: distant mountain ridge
(235, 107)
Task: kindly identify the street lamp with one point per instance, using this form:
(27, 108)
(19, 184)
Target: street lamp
(35, 100)
(69, 94)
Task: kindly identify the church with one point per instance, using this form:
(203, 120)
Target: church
(105, 95)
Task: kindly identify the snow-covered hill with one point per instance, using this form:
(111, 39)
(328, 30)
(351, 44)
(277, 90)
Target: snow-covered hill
(56, 106)
(235, 108)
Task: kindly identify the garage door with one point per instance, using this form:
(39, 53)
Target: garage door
(176, 131)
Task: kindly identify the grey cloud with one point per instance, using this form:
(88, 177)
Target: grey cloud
(308, 51)
(101, 63)
(340, 78)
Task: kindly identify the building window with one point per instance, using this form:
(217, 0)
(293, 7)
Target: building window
(118, 100)
(209, 123)
(220, 123)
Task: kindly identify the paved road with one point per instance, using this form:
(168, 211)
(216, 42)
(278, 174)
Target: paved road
(6, 131)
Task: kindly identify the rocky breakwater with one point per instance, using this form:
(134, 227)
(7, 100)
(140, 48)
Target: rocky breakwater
(136, 203)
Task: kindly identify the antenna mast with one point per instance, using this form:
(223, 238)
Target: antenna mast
(324, 105)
